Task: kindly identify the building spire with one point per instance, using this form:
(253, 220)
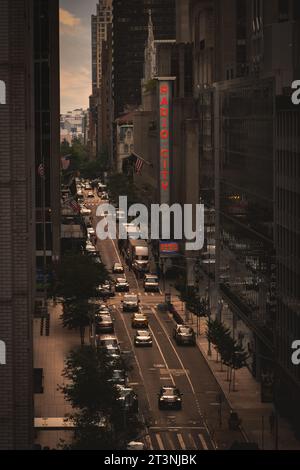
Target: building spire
(150, 51)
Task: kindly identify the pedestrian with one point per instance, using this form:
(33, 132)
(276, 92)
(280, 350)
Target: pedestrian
(272, 422)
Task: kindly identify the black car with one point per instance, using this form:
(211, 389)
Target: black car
(103, 323)
(169, 398)
(184, 335)
(121, 285)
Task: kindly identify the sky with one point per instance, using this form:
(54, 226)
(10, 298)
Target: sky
(75, 53)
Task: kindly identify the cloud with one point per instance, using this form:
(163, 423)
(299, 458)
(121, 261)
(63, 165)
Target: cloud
(68, 19)
(75, 88)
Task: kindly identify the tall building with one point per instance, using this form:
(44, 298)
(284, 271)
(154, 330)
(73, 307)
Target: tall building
(101, 78)
(17, 228)
(47, 131)
(29, 120)
(130, 31)
(100, 23)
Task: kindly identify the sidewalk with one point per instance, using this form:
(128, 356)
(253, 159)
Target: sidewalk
(245, 398)
(49, 354)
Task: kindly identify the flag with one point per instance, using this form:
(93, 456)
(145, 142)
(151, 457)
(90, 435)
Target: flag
(41, 170)
(139, 165)
(74, 205)
(65, 162)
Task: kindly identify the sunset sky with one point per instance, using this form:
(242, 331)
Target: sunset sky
(75, 52)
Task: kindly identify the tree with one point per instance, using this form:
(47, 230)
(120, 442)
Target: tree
(78, 276)
(99, 418)
(120, 184)
(77, 315)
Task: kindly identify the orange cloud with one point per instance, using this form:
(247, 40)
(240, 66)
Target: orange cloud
(68, 19)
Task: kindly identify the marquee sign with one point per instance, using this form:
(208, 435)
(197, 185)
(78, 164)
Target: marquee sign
(165, 130)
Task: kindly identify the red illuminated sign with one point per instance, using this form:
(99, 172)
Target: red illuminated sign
(164, 110)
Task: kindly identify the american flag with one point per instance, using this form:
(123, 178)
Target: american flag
(74, 205)
(41, 170)
(139, 165)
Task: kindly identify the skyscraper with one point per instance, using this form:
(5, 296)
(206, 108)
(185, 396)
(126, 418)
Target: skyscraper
(130, 31)
(17, 228)
(29, 160)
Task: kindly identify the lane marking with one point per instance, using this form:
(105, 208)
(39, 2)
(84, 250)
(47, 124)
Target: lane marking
(160, 442)
(181, 441)
(202, 440)
(186, 374)
(148, 442)
(193, 443)
(162, 355)
(170, 442)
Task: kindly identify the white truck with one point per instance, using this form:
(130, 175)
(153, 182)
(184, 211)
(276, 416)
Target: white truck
(138, 253)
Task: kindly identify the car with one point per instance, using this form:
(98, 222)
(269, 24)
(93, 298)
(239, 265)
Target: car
(128, 398)
(103, 323)
(104, 196)
(103, 308)
(110, 345)
(85, 211)
(121, 285)
(118, 377)
(105, 290)
(130, 303)
(143, 338)
(151, 283)
(134, 445)
(90, 231)
(118, 268)
(184, 335)
(90, 195)
(139, 320)
(169, 397)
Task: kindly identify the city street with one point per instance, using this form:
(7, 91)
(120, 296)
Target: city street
(197, 425)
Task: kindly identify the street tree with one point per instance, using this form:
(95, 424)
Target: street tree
(77, 276)
(77, 315)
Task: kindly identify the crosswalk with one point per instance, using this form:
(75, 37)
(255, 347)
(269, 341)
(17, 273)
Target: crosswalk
(177, 439)
(144, 294)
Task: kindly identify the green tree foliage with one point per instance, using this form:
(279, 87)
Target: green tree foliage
(77, 315)
(78, 276)
(99, 418)
(120, 184)
(232, 353)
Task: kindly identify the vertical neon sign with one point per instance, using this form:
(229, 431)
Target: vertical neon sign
(164, 136)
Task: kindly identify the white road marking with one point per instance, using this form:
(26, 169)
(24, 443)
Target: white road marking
(160, 442)
(193, 443)
(162, 355)
(170, 442)
(202, 440)
(148, 442)
(181, 441)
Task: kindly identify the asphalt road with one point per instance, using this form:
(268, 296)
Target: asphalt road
(197, 426)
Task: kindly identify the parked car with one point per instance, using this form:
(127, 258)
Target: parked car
(143, 338)
(151, 283)
(103, 323)
(118, 377)
(128, 398)
(184, 335)
(121, 285)
(169, 398)
(139, 320)
(130, 303)
(105, 290)
(110, 345)
(118, 268)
